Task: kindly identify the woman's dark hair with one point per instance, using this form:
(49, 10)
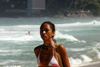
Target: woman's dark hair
(52, 26)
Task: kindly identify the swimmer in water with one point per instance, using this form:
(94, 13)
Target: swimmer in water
(28, 33)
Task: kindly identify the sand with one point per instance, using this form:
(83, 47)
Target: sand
(95, 64)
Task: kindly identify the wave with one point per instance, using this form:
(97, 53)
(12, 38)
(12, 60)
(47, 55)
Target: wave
(27, 26)
(19, 63)
(7, 62)
(23, 26)
(97, 51)
(19, 28)
(79, 63)
(91, 23)
(4, 51)
(94, 46)
(85, 59)
(21, 38)
(2, 29)
(76, 49)
(14, 61)
(14, 52)
(75, 62)
(68, 37)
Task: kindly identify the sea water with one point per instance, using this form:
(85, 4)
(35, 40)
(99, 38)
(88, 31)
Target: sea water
(80, 36)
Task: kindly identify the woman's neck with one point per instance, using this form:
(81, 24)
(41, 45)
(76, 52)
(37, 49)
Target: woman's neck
(48, 43)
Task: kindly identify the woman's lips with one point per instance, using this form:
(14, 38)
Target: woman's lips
(44, 36)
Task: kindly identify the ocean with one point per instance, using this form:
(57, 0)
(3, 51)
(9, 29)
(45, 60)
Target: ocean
(80, 36)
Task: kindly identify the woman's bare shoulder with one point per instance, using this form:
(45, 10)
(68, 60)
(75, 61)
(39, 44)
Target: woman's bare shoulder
(61, 46)
(37, 49)
(62, 49)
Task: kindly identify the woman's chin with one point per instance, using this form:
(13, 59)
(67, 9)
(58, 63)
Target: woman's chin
(44, 38)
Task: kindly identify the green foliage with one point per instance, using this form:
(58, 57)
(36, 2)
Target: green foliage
(58, 6)
(63, 5)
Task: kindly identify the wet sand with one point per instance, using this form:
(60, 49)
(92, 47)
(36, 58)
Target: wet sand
(93, 65)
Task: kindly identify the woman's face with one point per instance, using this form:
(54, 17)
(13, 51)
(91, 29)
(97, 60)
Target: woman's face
(46, 32)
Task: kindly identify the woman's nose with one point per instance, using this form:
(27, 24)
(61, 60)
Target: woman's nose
(43, 32)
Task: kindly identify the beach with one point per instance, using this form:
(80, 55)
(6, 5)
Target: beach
(80, 36)
(97, 64)
(94, 65)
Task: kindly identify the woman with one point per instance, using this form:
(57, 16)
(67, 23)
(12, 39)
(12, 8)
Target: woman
(50, 54)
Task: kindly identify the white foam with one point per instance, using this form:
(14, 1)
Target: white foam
(95, 47)
(97, 44)
(27, 26)
(95, 22)
(6, 51)
(20, 36)
(91, 23)
(15, 36)
(19, 28)
(14, 61)
(74, 62)
(7, 62)
(66, 36)
(67, 30)
(76, 49)
(98, 53)
(86, 59)
(2, 29)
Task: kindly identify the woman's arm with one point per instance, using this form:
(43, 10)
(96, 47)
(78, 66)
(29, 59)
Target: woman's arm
(64, 56)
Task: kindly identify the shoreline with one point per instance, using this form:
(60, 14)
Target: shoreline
(42, 16)
(69, 15)
(93, 64)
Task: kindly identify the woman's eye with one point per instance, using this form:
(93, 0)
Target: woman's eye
(46, 30)
(41, 31)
